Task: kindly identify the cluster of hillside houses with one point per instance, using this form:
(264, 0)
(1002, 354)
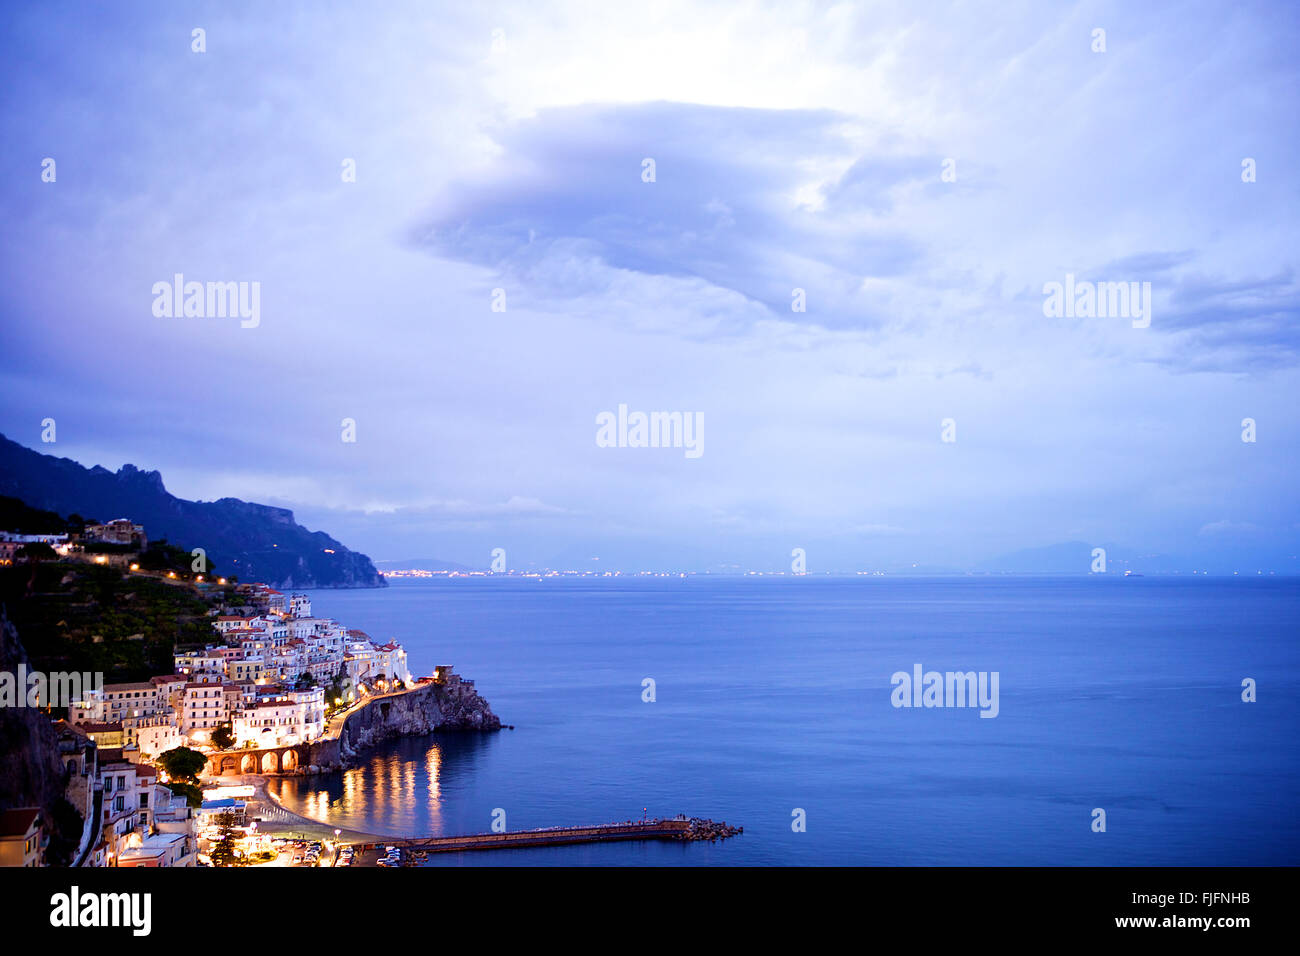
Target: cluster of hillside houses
(120, 532)
(263, 678)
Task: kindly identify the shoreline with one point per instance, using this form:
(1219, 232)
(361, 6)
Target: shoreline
(277, 819)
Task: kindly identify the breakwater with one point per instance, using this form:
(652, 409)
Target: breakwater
(675, 828)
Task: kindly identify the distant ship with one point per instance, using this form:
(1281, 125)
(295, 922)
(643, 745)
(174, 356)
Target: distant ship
(1132, 574)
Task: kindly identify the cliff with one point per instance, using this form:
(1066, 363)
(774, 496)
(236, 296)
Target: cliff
(453, 705)
(253, 541)
(32, 773)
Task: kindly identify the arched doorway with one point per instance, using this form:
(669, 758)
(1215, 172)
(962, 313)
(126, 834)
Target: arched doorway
(248, 764)
(289, 760)
(270, 762)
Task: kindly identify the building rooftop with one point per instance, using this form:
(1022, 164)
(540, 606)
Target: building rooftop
(16, 823)
(152, 846)
(226, 803)
(64, 729)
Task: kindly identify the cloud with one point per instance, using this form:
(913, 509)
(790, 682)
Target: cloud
(564, 211)
(795, 147)
(515, 506)
(1250, 324)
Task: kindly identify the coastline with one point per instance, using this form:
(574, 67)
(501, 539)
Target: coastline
(448, 704)
(275, 818)
(443, 703)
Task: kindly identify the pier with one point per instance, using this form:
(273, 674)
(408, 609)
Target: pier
(675, 828)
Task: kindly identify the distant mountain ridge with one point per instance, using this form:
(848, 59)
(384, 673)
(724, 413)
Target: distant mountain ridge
(255, 542)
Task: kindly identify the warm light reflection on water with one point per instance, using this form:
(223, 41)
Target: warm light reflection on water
(739, 744)
(352, 784)
(381, 795)
(432, 770)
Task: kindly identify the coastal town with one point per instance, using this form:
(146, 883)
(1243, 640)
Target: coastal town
(171, 769)
(270, 692)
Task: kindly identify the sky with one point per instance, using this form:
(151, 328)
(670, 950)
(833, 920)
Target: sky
(501, 272)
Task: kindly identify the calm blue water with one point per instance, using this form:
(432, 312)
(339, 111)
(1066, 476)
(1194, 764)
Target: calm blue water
(774, 694)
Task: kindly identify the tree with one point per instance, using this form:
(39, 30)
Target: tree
(223, 851)
(163, 556)
(36, 551)
(334, 689)
(182, 763)
(190, 791)
(77, 524)
(222, 738)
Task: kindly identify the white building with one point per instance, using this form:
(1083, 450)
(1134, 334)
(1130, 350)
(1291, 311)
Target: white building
(59, 542)
(121, 809)
(171, 690)
(390, 663)
(291, 717)
(117, 531)
(158, 734)
(195, 664)
(204, 707)
(161, 849)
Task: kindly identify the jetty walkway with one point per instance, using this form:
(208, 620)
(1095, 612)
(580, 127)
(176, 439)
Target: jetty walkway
(675, 828)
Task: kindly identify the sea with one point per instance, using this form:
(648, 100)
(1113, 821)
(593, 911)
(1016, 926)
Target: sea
(1121, 736)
